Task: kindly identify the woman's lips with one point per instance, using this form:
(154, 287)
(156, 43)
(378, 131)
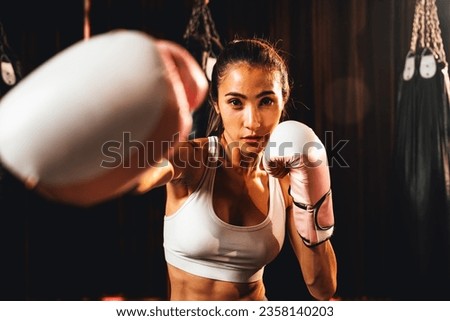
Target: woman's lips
(252, 139)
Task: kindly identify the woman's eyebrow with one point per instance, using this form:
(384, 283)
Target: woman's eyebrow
(265, 93)
(235, 94)
(261, 94)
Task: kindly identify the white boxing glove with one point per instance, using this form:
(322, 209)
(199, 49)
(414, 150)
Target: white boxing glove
(122, 94)
(294, 148)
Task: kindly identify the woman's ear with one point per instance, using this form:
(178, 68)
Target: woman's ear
(216, 108)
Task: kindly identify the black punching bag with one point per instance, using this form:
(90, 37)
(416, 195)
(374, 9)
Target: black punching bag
(421, 190)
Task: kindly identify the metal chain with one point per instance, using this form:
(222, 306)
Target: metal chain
(426, 32)
(417, 32)
(201, 27)
(422, 23)
(214, 35)
(208, 33)
(436, 36)
(194, 21)
(428, 25)
(2, 39)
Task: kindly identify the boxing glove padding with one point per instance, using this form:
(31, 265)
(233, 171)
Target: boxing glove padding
(294, 149)
(57, 124)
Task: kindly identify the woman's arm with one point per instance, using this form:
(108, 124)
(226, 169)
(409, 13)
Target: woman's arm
(318, 263)
(184, 165)
(154, 177)
(82, 154)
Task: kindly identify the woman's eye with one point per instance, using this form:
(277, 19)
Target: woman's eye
(266, 101)
(235, 103)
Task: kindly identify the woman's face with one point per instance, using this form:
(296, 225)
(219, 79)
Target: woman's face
(250, 102)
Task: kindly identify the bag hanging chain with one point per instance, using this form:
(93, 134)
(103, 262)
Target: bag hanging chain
(426, 32)
(435, 32)
(206, 36)
(3, 42)
(417, 23)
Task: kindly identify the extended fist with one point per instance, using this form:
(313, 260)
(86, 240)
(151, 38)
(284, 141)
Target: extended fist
(55, 123)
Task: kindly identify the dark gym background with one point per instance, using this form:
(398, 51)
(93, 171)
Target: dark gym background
(345, 58)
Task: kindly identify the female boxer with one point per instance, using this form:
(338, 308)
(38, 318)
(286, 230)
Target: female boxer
(226, 217)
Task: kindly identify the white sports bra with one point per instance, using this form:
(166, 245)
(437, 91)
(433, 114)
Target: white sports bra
(197, 241)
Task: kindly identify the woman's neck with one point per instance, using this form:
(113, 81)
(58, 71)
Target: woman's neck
(242, 162)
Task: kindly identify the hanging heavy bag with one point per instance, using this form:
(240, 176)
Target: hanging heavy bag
(421, 153)
(421, 164)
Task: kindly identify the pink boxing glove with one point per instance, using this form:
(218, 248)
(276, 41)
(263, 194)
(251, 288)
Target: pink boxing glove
(82, 127)
(294, 148)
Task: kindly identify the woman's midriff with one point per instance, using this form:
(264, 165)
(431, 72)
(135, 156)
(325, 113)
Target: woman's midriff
(189, 287)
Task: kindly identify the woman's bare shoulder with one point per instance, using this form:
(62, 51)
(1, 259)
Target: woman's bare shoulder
(189, 160)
